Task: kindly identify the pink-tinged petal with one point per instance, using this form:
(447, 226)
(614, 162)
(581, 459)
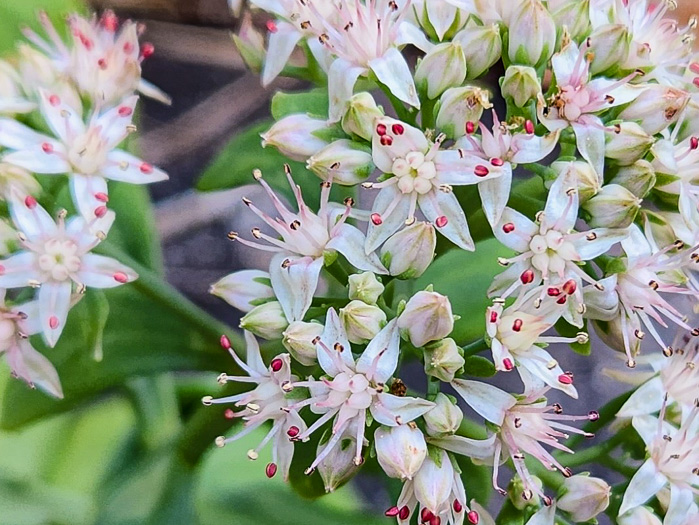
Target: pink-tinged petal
(31, 218)
(598, 241)
(411, 34)
(681, 507)
(564, 64)
(295, 284)
(532, 148)
(334, 339)
(549, 119)
(98, 271)
(283, 446)
(636, 245)
(16, 105)
(393, 139)
(538, 362)
(253, 357)
(54, 304)
(350, 242)
(47, 158)
(515, 230)
(381, 355)
(244, 289)
(458, 168)
(589, 134)
(489, 401)
(479, 449)
(124, 167)
(65, 121)
(34, 368)
(321, 53)
(495, 194)
(512, 273)
(563, 202)
(114, 124)
(342, 77)
(647, 427)
(439, 207)
(621, 94)
(392, 410)
(32, 323)
(279, 48)
(83, 235)
(392, 71)
(602, 304)
(90, 195)
(645, 484)
(18, 270)
(646, 399)
(389, 224)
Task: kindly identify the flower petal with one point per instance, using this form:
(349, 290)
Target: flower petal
(516, 239)
(243, 289)
(14, 135)
(494, 195)
(537, 361)
(18, 270)
(589, 134)
(385, 151)
(488, 400)
(437, 204)
(457, 168)
(98, 271)
(392, 71)
(544, 516)
(34, 368)
(84, 190)
(252, 351)
(342, 77)
(334, 334)
(280, 45)
(562, 203)
(381, 355)
(680, 508)
(114, 124)
(391, 223)
(392, 410)
(532, 148)
(479, 449)
(294, 285)
(65, 122)
(350, 242)
(645, 483)
(646, 399)
(125, 167)
(54, 304)
(36, 160)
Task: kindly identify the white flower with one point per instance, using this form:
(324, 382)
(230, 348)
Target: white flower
(244, 290)
(86, 151)
(305, 239)
(356, 386)
(17, 323)
(673, 459)
(12, 100)
(266, 402)
(56, 255)
(422, 176)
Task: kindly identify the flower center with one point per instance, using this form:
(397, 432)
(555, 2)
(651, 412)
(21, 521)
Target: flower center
(551, 252)
(87, 153)
(415, 173)
(60, 259)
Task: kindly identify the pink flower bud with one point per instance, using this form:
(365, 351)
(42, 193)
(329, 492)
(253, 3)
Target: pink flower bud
(427, 317)
(400, 450)
(584, 497)
(408, 253)
(293, 136)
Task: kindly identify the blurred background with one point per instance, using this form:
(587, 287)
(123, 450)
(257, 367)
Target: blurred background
(115, 459)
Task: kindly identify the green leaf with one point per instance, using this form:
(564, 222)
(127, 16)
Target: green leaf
(479, 366)
(567, 330)
(314, 103)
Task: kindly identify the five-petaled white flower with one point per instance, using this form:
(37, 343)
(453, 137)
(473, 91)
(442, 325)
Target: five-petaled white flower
(306, 238)
(56, 255)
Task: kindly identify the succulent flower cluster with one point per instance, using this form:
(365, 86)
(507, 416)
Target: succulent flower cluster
(66, 105)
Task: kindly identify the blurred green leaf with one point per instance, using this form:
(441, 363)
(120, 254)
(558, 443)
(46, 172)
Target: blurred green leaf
(479, 366)
(314, 102)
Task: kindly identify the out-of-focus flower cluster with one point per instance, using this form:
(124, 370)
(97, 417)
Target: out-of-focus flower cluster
(598, 99)
(67, 102)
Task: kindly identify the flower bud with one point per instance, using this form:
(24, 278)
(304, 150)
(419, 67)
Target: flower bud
(408, 253)
(400, 450)
(338, 466)
(583, 497)
(244, 290)
(444, 66)
(434, 481)
(250, 44)
(639, 178)
(362, 321)
(639, 516)
(15, 178)
(293, 136)
(520, 495)
(612, 334)
(482, 47)
(574, 15)
(588, 181)
(613, 207)
(344, 162)
(365, 287)
(610, 47)
(628, 143)
(532, 34)
(444, 418)
(520, 83)
(443, 359)
(11, 97)
(656, 108)
(361, 113)
(298, 340)
(427, 317)
(439, 20)
(266, 321)
(459, 106)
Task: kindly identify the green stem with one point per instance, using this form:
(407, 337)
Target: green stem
(338, 272)
(428, 118)
(434, 387)
(476, 347)
(403, 113)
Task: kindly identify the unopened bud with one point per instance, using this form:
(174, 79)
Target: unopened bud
(532, 34)
(573, 15)
(639, 516)
(521, 84)
(251, 45)
(365, 287)
(482, 47)
(294, 136)
(628, 143)
(458, 106)
(439, 20)
(298, 340)
(362, 321)
(588, 183)
(444, 418)
(400, 450)
(613, 207)
(520, 495)
(609, 45)
(639, 178)
(427, 317)
(245, 289)
(408, 253)
(443, 359)
(443, 67)
(583, 497)
(656, 108)
(360, 116)
(343, 162)
(433, 482)
(339, 465)
(266, 321)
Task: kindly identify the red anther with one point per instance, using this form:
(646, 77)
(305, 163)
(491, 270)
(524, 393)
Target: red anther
(694, 67)
(30, 202)
(293, 432)
(225, 342)
(229, 414)
(376, 219)
(473, 517)
(553, 292)
(404, 512)
(517, 325)
(696, 81)
(102, 197)
(272, 26)
(458, 507)
(392, 512)
(110, 21)
(470, 127)
(441, 221)
(497, 162)
(426, 515)
(86, 42)
(381, 130)
(53, 322)
(570, 286)
(562, 299)
(565, 379)
(121, 277)
(46, 148)
(128, 48)
(147, 50)
(102, 63)
(527, 277)
(386, 140)
(694, 143)
(398, 129)
(508, 364)
(125, 111)
(146, 168)
(100, 211)
(276, 365)
(481, 171)
(54, 100)
(508, 227)
(529, 127)
(271, 470)
(436, 520)
(593, 415)
(493, 317)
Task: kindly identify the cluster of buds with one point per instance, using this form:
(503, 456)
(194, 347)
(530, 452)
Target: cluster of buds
(65, 106)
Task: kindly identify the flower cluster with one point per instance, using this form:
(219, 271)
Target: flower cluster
(65, 107)
(584, 168)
